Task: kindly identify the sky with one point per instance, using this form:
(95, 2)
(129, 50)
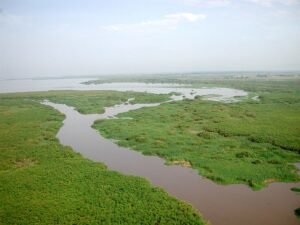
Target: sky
(87, 37)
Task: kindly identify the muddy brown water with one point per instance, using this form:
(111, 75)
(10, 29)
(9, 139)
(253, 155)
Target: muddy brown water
(221, 205)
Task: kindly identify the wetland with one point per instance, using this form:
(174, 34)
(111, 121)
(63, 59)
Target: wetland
(227, 148)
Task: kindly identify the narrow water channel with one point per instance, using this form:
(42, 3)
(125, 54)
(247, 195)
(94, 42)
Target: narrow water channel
(221, 205)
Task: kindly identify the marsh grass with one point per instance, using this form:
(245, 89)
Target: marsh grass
(297, 212)
(251, 142)
(296, 189)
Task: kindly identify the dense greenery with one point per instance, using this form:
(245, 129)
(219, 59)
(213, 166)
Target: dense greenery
(42, 182)
(252, 142)
(297, 212)
(295, 189)
(92, 101)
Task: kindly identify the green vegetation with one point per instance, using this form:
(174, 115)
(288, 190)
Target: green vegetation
(203, 79)
(296, 189)
(297, 212)
(251, 142)
(42, 182)
(87, 102)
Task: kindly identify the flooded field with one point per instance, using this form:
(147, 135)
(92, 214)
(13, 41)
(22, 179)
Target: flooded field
(29, 85)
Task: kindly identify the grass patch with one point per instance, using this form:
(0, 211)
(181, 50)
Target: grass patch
(295, 189)
(42, 182)
(297, 212)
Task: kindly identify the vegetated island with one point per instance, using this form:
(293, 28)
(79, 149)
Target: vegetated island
(251, 142)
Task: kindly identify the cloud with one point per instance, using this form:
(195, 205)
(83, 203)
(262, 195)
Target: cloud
(207, 3)
(273, 2)
(190, 17)
(222, 3)
(169, 21)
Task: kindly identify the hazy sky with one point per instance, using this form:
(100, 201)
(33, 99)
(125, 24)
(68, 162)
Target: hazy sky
(72, 37)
